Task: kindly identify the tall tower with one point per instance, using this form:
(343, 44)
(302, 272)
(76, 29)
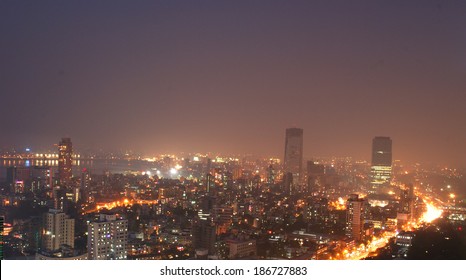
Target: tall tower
(58, 230)
(381, 166)
(294, 153)
(355, 217)
(107, 238)
(65, 150)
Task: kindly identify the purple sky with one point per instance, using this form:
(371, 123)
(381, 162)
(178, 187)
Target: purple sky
(231, 76)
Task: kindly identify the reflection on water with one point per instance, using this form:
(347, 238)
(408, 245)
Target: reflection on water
(32, 162)
(96, 166)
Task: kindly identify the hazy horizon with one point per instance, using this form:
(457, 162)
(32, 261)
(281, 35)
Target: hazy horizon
(229, 77)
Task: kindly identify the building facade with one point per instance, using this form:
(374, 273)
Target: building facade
(242, 249)
(58, 230)
(294, 153)
(65, 160)
(355, 208)
(381, 164)
(203, 234)
(107, 238)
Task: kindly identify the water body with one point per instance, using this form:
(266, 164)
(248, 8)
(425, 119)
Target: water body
(95, 166)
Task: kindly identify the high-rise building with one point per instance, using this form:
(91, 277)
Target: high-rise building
(210, 183)
(407, 199)
(34, 226)
(288, 183)
(315, 169)
(85, 189)
(42, 178)
(65, 150)
(58, 230)
(406, 205)
(107, 238)
(315, 173)
(85, 179)
(203, 233)
(355, 208)
(381, 166)
(270, 174)
(294, 153)
(60, 201)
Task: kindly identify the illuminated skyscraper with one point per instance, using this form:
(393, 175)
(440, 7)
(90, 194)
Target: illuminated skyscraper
(107, 238)
(294, 153)
(65, 150)
(355, 217)
(381, 167)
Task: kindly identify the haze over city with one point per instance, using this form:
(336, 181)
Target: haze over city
(229, 77)
(257, 131)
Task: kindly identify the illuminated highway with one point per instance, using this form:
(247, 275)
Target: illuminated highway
(432, 212)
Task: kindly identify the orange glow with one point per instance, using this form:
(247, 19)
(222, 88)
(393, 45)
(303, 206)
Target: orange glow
(120, 203)
(431, 214)
(364, 250)
(338, 204)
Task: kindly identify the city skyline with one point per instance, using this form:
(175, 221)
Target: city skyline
(180, 77)
(51, 151)
(231, 209)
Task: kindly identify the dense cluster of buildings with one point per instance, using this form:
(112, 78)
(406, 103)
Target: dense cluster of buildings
(207, 207)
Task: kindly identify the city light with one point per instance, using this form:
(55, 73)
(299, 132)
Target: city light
(327, 204)
(432, 213)
(233, 131)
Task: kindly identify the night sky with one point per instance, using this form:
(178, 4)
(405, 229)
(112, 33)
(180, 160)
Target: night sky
(231, 76)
